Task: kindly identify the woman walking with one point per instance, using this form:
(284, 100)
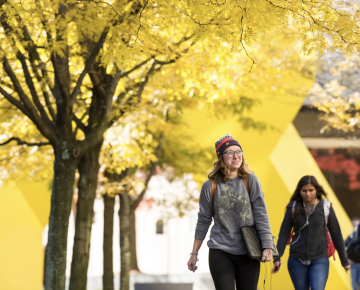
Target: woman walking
(225, 196)
(312, 218)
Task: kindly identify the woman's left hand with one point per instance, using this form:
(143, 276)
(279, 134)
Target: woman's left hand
(267, 255)
(347, 268)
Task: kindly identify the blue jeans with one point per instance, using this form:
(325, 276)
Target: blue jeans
(314, 275)
(355, 275)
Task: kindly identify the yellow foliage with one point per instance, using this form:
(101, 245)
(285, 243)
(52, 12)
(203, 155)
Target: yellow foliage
(23, 162)
(225, 55)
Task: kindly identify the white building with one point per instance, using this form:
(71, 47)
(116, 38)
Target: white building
(162, 258)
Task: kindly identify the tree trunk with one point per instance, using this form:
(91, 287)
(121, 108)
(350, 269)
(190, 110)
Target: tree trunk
(125, 251)
(87, 184)
(108, 274)
(61, 200)
(134, 263)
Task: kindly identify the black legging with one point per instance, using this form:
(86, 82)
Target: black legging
(226, 269)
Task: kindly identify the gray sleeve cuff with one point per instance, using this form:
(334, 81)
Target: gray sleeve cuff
(267, 244)
(200, 235)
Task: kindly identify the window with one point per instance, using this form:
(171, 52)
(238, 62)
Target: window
(160, 227)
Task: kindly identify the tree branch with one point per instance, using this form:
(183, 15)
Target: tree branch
(23, 97)
(2, 2)
(146, 2)
(6, 84)
(62, 72)
(151, 173)
(242, 44)
(48, 104)
(316, 21)
(137, 95)
(30, 111)
(97, 84)
(20, 142)
(43, 22)
(117, 13)
(15, 102)
(147, 77)
(88, 64)
(127, 89)
(98, 131)
(62, 86)
(79, 123)
(141, 88)
(198, 22)
(30, 84)
(31, 48)
(124, 74)
(34, 56)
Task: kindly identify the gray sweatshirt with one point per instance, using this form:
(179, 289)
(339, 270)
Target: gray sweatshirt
(232, 211)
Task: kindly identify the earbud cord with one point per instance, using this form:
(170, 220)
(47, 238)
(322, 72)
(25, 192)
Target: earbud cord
(265, 275)
(306, 223)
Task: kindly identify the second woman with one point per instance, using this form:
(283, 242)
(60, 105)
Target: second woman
(313, 219)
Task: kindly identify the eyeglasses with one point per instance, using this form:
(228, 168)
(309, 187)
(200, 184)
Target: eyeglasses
(238, 153)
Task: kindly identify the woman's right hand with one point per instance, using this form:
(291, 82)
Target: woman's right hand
(192, 263)
(276, 267)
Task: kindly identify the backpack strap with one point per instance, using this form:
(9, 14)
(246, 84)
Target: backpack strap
(213, 190)
(246, 181)
(292, 233)
(330, 243)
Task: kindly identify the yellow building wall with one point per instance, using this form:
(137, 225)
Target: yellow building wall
(279, 158)
(24, 211)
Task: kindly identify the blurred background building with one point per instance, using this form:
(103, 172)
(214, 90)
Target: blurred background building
(163, 242)
(335, 144)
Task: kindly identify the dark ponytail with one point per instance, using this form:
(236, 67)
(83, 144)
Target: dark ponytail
(305, 180)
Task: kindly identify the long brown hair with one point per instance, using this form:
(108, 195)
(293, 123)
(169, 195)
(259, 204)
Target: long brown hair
(305, 180)
(221, 170)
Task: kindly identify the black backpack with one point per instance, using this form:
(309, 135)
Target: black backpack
(352, 246)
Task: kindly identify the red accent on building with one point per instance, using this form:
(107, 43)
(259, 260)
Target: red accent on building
(338, 164)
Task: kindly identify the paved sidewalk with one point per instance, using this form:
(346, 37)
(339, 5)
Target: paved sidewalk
(198, 281)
